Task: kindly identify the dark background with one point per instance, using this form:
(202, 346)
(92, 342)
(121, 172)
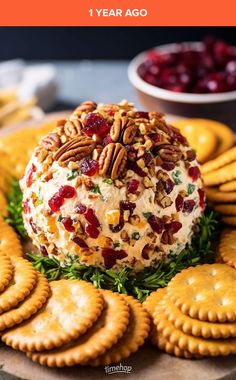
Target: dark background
(36, 43)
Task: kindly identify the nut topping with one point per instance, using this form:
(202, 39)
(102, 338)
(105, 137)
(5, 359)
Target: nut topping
(169, 153)
(72, 128)
(112, 160)
(87, 106)
(123, 130)
(51, 142)
(74, 150)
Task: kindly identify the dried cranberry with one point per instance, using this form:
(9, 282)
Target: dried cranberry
(67, 191)
(177, 136)
(131, 152)
(111, 255)
(96, 124)
(168, 186)
(147, 158)
(156, 223)
(80, 242)
(80, 208)
(173, 227)
(194, 172)
(68, 224)
(43, 250)
(33, 226)
(91, 231)
(29, 175)
(91, 217)
(107, 140)
(179, 202)
(133, 166)
(188, 206)
(56, 202)
(201, 194)
(89, 167)
(168, 166)
(26, 207)
(156, 138)
(133, 185)
(141, 115)
(127, 205)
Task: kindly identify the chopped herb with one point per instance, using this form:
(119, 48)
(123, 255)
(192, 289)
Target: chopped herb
(39, 202)
(147, 214)
(116, 244)
(15, 209)
(73, 174)
(191, 188)
(176, 178)
(136, 235)
(108, 181)
(96, 189)
(140, 284)
(60, 217)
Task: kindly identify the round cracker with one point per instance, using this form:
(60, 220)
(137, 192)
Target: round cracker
(227, 248)
(9, 240)
(102, 335)
(70, 311)
(200, 138)
(133, 338)
(228, 186)
(222, 175)
(194, 345)
(3, 205)
(6, 272)
(150, 305)
(206, 292)
(229, 220)
(34, 302)
(226, 209)
(24, 280)
(224, 159)
(216, 196)
(195, 327)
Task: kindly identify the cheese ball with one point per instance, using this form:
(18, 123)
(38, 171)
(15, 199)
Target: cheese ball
(114, 187)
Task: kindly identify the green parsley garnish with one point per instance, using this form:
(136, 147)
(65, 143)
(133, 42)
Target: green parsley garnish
(73, 174)
(116, 244)
(147, 214)
(176, 176)
(96, 189)
(60, 217)
(39, 202)
(108, 181)
(135, 235)
(191, 188)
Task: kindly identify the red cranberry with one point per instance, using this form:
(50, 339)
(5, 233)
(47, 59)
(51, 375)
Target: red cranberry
(89, 167)
(156, 223)
(127, 205)
(80, 208)
(91, 231)
(56, 202)
(33, 226)
(141, 115)
(201, 194)
(173, 227)
(67, 191)
(29, 175)
(107, 140)
(111, 255)
(43, 250)
(133, 166)
(26, 207)
(179, 203)
(156, 138)
(91, 217)
(68, 224)
(194, 172)
(131, 152)
(80, 242)
(132, 186)
(168, 166)
(96, 124)
(168, 186)
(147, 158)
(188, 206)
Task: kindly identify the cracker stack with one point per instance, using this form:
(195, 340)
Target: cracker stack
(195, 316)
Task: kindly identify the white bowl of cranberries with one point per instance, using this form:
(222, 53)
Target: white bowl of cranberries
(192, 79)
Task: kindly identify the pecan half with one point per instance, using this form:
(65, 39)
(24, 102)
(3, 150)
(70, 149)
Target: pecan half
(74, 150)
(112, 160)
(170, 153)
(87, 106)
(167, 238)
(51, 141)
(72, 128)
(123, 130)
